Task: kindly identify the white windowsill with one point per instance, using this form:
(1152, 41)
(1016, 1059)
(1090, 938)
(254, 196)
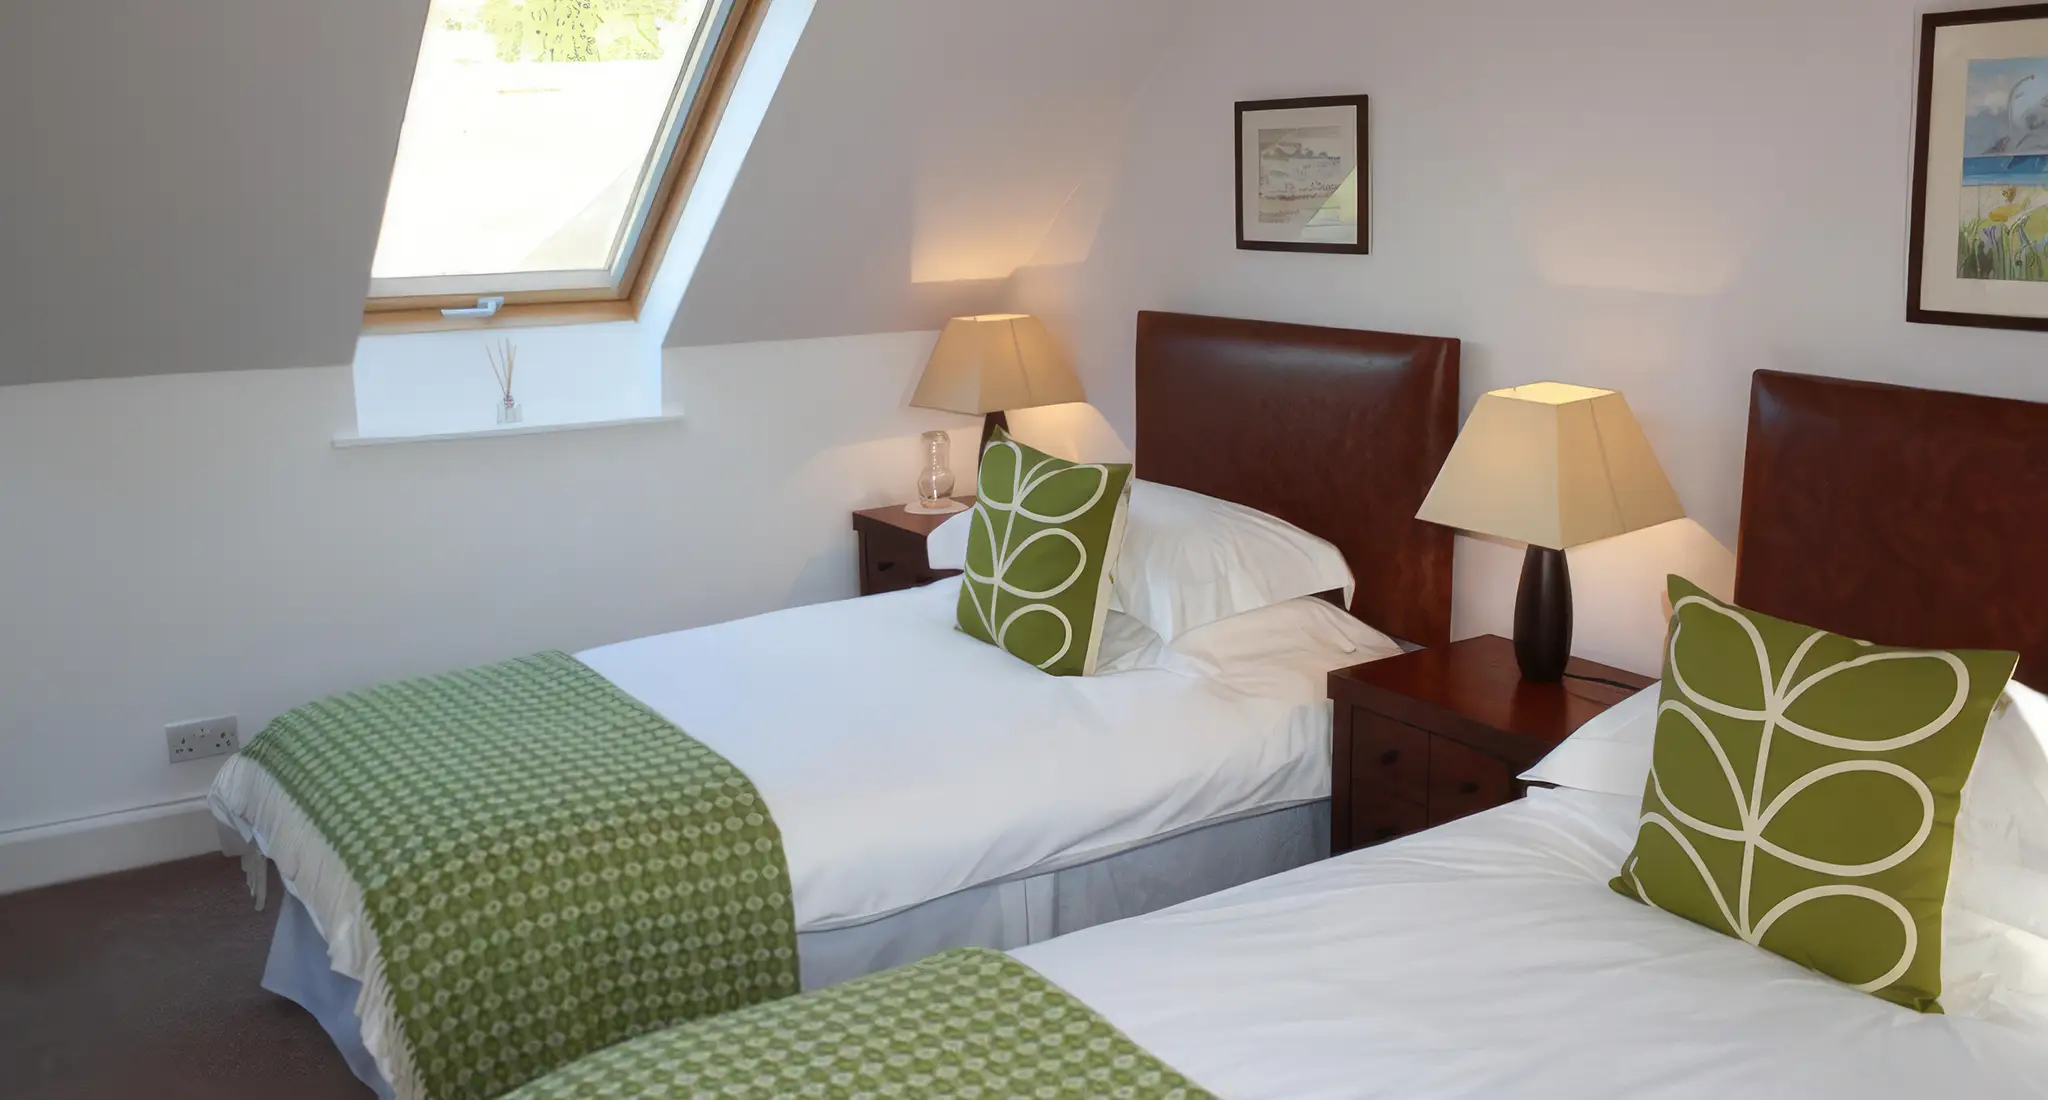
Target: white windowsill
(510, 429)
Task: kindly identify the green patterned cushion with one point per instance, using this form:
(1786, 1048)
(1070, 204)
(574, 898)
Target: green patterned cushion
(1804, 788)
(1044, 535)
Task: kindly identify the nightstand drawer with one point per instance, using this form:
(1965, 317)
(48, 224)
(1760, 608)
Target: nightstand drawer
(1388, 757)
(1463, 782)
(1384, 817)
(892, 568)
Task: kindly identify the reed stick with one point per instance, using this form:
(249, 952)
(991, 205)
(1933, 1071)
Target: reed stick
(504, 359)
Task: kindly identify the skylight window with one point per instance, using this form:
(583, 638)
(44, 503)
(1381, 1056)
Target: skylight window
(542, 141)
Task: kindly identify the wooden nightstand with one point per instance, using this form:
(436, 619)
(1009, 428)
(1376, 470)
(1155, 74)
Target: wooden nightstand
(1435, 735)
(892, 555)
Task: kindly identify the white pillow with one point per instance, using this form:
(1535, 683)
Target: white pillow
(1610, 754)
(1189, 560)
(2005, 804)
(1127, 645)
(1995, 927)
(946, 546)
(1285, 651)
(1994, 960)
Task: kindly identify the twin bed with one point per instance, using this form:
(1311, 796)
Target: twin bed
(1485, 958)
(932, 792)
(1489, 958)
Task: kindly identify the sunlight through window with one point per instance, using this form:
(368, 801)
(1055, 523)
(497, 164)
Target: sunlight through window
(538, 142)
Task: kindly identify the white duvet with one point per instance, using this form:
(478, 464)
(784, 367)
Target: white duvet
(903, 760)
(1489, 959)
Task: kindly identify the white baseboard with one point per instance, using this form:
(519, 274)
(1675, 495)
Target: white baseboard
(69, 850)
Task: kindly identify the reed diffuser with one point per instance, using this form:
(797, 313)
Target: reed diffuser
(504, 360)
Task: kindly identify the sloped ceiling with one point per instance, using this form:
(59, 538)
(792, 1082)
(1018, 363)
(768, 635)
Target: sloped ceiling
(918, 153)
(196, 186)
(193, 186)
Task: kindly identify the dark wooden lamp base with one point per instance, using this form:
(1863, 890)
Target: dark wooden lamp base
(989, 424)
(1543, 616)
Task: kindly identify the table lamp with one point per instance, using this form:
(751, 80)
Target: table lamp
(1554, 466)
(985, 365)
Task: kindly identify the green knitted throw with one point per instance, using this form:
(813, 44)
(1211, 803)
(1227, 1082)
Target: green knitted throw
(968, 1023)
(549, 867)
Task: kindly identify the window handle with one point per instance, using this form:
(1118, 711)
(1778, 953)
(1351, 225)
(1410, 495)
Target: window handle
(485, 307)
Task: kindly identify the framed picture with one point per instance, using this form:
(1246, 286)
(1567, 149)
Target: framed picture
(1303, 175)
(1979, 250)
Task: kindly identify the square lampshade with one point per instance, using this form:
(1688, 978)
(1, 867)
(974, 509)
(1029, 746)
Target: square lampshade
(994, 363)
(1552, 465)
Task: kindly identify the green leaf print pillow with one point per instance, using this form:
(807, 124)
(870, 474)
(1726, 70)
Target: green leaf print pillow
(1803, 791)
(1044, 536)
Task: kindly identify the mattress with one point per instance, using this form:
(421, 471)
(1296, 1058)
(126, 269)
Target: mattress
(1488, 958)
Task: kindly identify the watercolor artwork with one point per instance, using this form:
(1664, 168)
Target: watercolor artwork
(1977, 247)
(1302, 171)
(2004, 216)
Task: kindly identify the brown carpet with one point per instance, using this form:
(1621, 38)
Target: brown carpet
(142, 986)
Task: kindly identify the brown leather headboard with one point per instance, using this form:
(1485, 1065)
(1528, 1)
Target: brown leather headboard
(1901, 516)
(1338, 432)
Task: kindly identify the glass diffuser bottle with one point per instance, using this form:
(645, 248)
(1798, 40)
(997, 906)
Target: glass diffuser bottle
(935, 482)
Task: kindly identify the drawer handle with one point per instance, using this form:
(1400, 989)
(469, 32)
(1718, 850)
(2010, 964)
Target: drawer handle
(1468, 788)
(884, 566)
(1389, 757)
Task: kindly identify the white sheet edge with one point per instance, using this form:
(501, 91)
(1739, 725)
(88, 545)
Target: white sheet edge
(248, 799)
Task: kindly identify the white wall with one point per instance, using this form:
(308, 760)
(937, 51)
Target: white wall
(193, 545)
(1660, 196)
(430, 383)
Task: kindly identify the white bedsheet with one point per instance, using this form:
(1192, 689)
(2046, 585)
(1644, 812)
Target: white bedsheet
(903, 760)
(1488, 958)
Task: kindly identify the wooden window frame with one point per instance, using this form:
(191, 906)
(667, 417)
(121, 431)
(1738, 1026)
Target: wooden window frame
(623, 300)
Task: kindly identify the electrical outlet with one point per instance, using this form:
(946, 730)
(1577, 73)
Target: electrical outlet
(200, 739)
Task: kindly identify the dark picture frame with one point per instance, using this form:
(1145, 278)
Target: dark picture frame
(1319, 182)
(1929, 130)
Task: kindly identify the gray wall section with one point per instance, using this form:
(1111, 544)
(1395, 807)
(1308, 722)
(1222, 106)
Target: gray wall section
(919, 152)
(193, 186)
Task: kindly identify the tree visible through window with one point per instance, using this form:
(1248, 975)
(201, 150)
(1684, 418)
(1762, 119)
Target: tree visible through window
(536, 141)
